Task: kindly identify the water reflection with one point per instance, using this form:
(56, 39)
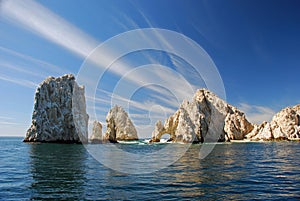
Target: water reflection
(231, 172)
(58, 171)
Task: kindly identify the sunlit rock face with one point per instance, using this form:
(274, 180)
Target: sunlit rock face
(284, 126)
(236, 125)
(261, 132)
(96, 133)
(207, 118)
(119, 126)
(59, 113)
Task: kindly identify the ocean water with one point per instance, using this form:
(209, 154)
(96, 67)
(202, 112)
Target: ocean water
(232, 171)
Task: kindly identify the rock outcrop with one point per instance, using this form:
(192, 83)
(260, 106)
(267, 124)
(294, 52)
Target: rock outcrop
(97, 133)
(285, 125)
(205, 118)
(119, 126)
(236, 125)
(59, 113)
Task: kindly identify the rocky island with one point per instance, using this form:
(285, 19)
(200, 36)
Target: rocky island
(59, 113)
(206, 118)
(119, 127)
(60, 116)
(96, 133)
(285, 125)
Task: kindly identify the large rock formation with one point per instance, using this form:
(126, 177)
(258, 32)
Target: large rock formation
(119, 126)
(205, 118)
(59, 113)
(97, 133)
(285, 125)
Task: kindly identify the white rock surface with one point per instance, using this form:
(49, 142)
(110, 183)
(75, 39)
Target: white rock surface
(119, 126)
(284, 126)
(236, 125)
(264, 132)
(205, 118)
(97, 132)
(59, 113)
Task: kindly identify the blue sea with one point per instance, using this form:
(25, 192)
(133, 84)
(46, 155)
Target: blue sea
(232, 171)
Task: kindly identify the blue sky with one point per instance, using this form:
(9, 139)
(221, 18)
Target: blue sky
(255, 46)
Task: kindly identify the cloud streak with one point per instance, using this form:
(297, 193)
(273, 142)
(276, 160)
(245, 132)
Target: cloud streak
(20, 82)
(47, 24)
(136, 105)
(7, 121)
(257, 114)
(42, 65)
(54, 28)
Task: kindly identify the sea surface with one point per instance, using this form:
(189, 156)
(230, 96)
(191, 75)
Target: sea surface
(232, 171)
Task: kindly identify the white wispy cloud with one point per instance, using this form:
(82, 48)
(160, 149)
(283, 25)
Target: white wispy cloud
(6, 118)
(141, 112)
(25, 70)
(98, 100)
(54, 28)
(29, 61)
(257, 114)
(167, 104)
(8, 123)
(47, 24)
(145, 105)
(169, 100)
(154, 74)
(20, 69)
(21, 82)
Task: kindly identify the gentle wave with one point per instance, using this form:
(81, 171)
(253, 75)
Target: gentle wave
(232, 171)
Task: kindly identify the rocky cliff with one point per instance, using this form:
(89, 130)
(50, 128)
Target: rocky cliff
(205, 118)
(284, 125)
(59, 113)
(119, 126)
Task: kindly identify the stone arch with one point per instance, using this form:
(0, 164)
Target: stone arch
(163, 132)
(160, 131)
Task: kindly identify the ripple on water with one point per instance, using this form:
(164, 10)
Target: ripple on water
(233, 171)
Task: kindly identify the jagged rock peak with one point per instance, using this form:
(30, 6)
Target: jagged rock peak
(284, 125)
(59, 113)
(119, 126)
(205, 118)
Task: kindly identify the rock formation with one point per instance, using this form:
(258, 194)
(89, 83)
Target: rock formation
(285, 125)
(119, 126)
(59, 113)
(97, 133)
(236, 125)
(205, 118)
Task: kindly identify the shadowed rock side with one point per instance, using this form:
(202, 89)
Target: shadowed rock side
(119, 126)
(284, 126)
(59, 113)
(206, 118)
(97, 133)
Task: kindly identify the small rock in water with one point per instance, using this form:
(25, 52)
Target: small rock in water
(119, 126)
(97, 133)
